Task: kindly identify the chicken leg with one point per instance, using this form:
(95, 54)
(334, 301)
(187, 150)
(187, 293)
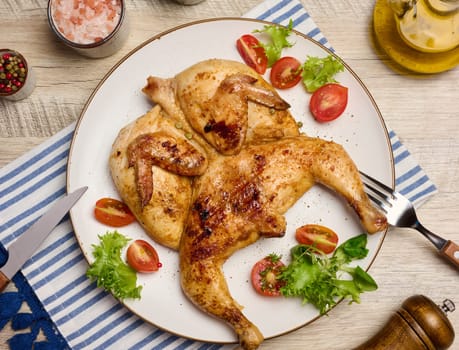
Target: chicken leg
(243, 197)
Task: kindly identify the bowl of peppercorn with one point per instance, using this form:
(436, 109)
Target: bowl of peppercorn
(16, 77)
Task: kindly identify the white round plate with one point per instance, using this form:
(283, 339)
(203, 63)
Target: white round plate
(118, 100)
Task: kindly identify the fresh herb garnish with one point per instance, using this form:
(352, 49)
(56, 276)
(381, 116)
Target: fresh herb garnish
(318, 279)
(110, 271)
(320, 71)
(278, 35)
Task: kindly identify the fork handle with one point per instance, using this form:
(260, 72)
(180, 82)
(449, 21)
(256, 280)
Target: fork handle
(451, 252)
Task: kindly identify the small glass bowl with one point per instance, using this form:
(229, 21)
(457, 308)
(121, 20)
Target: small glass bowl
(102, 47)
(17, 79)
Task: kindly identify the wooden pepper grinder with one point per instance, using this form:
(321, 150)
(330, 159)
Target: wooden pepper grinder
(418, 325)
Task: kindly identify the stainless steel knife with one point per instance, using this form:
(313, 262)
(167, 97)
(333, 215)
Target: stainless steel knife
(24, 246)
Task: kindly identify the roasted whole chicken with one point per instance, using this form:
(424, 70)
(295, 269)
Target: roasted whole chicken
(217, 163)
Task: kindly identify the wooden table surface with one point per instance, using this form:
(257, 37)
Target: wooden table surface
(422, 109)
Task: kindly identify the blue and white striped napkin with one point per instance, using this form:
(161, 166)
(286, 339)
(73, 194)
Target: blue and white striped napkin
(88, 317)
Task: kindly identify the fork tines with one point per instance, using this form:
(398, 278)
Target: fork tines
(378, 192)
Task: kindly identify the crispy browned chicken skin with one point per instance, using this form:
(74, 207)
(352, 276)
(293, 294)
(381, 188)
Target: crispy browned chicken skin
(154, 181)
(225, 102)
(246, 165)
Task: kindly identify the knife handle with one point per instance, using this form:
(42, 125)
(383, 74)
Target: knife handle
(451, 252)
(3, 281)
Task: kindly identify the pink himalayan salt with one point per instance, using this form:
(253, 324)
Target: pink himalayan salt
(85, 21)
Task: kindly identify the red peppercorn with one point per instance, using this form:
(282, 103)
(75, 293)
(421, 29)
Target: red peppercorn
(13, 72)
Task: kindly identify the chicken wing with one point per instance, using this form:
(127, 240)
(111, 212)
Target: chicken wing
(150, 163)
(226, 102)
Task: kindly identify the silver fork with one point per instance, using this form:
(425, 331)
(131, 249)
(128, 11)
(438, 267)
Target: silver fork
(401, 213)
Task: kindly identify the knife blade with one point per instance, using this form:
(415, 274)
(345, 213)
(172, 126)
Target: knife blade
(24, 246)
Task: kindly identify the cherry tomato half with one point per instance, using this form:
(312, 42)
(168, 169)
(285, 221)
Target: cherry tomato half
(285, 73)
(113, 212)
(264, 276)
(252, 53)
(328, 102)
(321, 237)
(142, 257)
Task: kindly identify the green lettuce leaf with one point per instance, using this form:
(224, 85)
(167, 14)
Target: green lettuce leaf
(354, 248)
(279, 40)
(110, 271)
(320, 71)
(322, 280)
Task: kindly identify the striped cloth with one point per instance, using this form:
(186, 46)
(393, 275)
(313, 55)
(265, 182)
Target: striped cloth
(88, 317)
